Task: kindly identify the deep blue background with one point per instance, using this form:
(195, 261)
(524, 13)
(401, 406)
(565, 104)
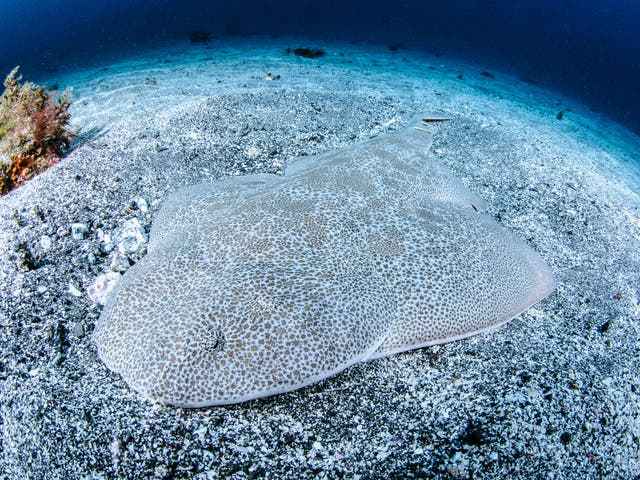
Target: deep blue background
(587, 49)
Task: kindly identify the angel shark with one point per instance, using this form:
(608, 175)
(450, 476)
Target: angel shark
(263, 284)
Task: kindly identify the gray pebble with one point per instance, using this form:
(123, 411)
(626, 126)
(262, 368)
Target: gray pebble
(46, 242)
(132, 238)
(78, 231)
(78, 330)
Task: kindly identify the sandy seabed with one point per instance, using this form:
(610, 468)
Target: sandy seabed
(553, 394)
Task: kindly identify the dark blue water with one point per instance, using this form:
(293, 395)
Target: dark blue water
(587, 49)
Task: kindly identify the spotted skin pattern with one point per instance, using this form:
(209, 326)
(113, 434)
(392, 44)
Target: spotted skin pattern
(262, 284)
